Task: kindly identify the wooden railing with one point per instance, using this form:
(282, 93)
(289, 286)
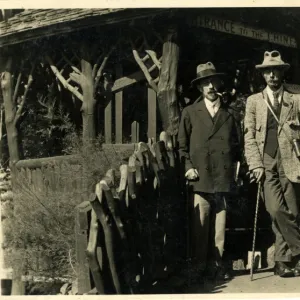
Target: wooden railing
(127, 231)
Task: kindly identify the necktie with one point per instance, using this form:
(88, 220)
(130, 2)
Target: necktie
(275, 102)
(213, 111)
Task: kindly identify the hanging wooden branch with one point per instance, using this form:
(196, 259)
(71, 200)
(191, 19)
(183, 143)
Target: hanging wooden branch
(63, 81)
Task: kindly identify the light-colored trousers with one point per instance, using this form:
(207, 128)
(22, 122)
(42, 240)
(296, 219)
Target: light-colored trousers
(208, 221)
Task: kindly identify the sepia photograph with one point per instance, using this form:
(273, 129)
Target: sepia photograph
(150, 151)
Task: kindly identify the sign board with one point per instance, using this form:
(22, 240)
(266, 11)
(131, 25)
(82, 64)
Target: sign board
(231, 27)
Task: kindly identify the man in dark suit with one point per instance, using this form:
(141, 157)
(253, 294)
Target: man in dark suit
(272, 159)
(209, 146)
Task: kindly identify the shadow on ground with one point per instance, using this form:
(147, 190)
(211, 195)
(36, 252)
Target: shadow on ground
(178, 284)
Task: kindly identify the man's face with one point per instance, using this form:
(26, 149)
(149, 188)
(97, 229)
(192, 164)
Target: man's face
(209, 88)
(273, 77)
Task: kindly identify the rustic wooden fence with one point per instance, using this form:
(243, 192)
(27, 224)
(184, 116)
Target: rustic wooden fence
(128, 231)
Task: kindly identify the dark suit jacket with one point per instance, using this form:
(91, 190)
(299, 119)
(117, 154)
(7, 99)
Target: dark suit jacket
(210, 147)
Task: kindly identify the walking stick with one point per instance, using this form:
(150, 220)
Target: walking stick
(254, 229)
(188, 235)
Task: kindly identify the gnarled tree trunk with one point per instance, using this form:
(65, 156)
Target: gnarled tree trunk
(167, 98)
(10, 111)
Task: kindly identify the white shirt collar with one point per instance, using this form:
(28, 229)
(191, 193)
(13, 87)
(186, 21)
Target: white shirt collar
(211, 104)
(212, 107)
(270, 94)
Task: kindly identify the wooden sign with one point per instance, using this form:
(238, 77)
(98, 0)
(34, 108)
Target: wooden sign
(231, 27)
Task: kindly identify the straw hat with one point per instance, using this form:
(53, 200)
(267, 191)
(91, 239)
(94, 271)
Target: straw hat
(272, 60)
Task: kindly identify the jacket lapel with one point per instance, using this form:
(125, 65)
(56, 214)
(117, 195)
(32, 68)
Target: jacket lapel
(262, 111)
(221, 117)
(203, 114)
(286, 108)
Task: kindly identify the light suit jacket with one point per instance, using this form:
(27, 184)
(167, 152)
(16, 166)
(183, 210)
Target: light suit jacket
(255, 124)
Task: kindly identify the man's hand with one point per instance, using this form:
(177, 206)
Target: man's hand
(192, 174)
(258, 174)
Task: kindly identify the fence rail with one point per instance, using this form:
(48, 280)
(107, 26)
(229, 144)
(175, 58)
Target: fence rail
(131, 238)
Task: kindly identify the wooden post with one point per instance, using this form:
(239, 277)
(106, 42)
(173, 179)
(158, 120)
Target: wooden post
(108, 119)
(119, 109)
(89, 102)
(167, 98)
(10, 108)
(152, 114)
(135, 132)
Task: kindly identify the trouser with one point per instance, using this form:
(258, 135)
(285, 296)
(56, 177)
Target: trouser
(281, 202)
(208, 229)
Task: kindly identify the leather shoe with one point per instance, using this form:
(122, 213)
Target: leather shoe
(282, 270)
(223, 274)
(297, 269)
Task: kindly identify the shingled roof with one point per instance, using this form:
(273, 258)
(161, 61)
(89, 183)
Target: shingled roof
(35, 23)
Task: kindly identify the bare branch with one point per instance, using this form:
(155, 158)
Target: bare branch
(17, 87)
(144, 69)
(63, 68)
(24, 97)
(71, 64)
(75, 77)
(49, 106)
(99, 73)
(96, 65)
(153, 56)
(63, 81)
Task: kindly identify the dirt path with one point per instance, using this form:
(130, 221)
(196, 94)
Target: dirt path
(264, 282)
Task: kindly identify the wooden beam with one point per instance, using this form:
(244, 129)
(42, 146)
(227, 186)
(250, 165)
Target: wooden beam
(152, 114)
(135, 132)
(42, 162)
(81, 233)
(119, 109)
(127, 81)
(108, 119)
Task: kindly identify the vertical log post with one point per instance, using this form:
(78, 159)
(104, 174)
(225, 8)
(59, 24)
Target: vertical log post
(167, 98)
(108, 119)
(119, 109)
(152, 110)
(10, 108)
(135, 132)
(89, 102)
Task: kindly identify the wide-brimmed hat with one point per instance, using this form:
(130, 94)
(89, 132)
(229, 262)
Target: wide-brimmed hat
(205, 71)
(272, 59)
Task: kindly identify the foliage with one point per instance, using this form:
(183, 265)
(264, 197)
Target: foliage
(42, 228)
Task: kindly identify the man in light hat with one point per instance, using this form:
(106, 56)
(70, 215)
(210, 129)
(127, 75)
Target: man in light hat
(209, 145)
(271, 125)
